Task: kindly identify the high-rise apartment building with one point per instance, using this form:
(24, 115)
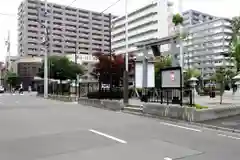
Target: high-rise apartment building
(206, 45)
(71, 29)
(192, 17)
(149, 22)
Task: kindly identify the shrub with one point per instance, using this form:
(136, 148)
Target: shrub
(106, 94)
(198, 106)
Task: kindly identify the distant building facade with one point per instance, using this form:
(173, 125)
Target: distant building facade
(206, 46)
(149, 22)
(193, 17)
(71, 29)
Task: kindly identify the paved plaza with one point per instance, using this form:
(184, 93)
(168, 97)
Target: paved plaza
(37, 129)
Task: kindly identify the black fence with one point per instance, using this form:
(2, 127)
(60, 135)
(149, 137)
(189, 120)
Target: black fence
(54, 88)
(92, 90)
(168, 96)
(82, 89)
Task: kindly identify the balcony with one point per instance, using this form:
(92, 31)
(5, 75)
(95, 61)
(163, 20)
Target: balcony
(97, 36)
(133, 25)
(83, 50)
(57, 31)
(58, 20)
(131, 18)
(84, 19)
(87, 30)
(136, 32)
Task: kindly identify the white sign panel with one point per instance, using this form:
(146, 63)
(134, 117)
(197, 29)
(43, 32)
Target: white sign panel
(82, 58)
(151, 76)
(171, 78)
(139, 75)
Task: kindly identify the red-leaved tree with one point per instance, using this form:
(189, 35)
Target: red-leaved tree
(111, 68)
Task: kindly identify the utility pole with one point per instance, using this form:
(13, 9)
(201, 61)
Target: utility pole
(125, 74)
(76, 80)
(180, 40)
(8, 44)
(110, 49)
(46, 55)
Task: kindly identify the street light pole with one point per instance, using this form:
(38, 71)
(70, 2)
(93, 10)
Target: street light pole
(110, 49)
(125, 75)
(76, 80)
(180, 40)
(46, 55)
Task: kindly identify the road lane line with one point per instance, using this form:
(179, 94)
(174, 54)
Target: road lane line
(167, 158)
(108, 136)
(223, 135)
(174, 125)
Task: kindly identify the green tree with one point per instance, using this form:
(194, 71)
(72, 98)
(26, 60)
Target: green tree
(12, 79)
(235, 52)
(222, 77)
(61, 68)
(235, 23)
(191, 72)
(235, 42)
(160, 63)
(177, 19)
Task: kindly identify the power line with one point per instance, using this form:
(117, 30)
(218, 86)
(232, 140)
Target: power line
(111, 6)
(71, 3)
(103, 10)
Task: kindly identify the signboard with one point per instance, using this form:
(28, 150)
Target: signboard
(139, 75)
(171, 78)
(82, 58)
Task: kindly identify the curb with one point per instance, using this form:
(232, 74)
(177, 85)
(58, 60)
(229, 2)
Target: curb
(180, 121)
(136, 110)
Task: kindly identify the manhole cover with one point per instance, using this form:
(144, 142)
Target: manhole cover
(231, 123)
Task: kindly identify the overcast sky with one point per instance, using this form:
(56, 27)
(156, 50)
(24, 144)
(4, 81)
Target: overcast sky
(223, 8)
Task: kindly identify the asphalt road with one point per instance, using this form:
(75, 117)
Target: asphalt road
(229, 122)
(36, 129)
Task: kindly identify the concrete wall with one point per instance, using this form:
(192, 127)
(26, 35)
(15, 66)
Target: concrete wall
(107, 104)
(189, 113)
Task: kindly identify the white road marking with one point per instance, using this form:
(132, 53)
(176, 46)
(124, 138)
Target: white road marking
(223, 135)
(174, 125)
(108, 136)
(167, 158)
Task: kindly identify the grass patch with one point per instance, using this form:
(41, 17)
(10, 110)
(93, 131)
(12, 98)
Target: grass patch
(198, 106)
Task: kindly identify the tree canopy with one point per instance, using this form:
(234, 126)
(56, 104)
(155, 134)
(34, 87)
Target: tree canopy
(235, 52)
(191, 72)
(235, 28)
(61, 68)
(221, 77)
(235, 42)
(177, 19)
(12, 79)
(111, 68)
(162, 62)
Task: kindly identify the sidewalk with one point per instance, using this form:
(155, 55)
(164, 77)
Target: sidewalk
(203, 100)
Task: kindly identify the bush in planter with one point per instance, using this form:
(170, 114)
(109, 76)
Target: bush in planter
(106, 94)
(198, 106)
